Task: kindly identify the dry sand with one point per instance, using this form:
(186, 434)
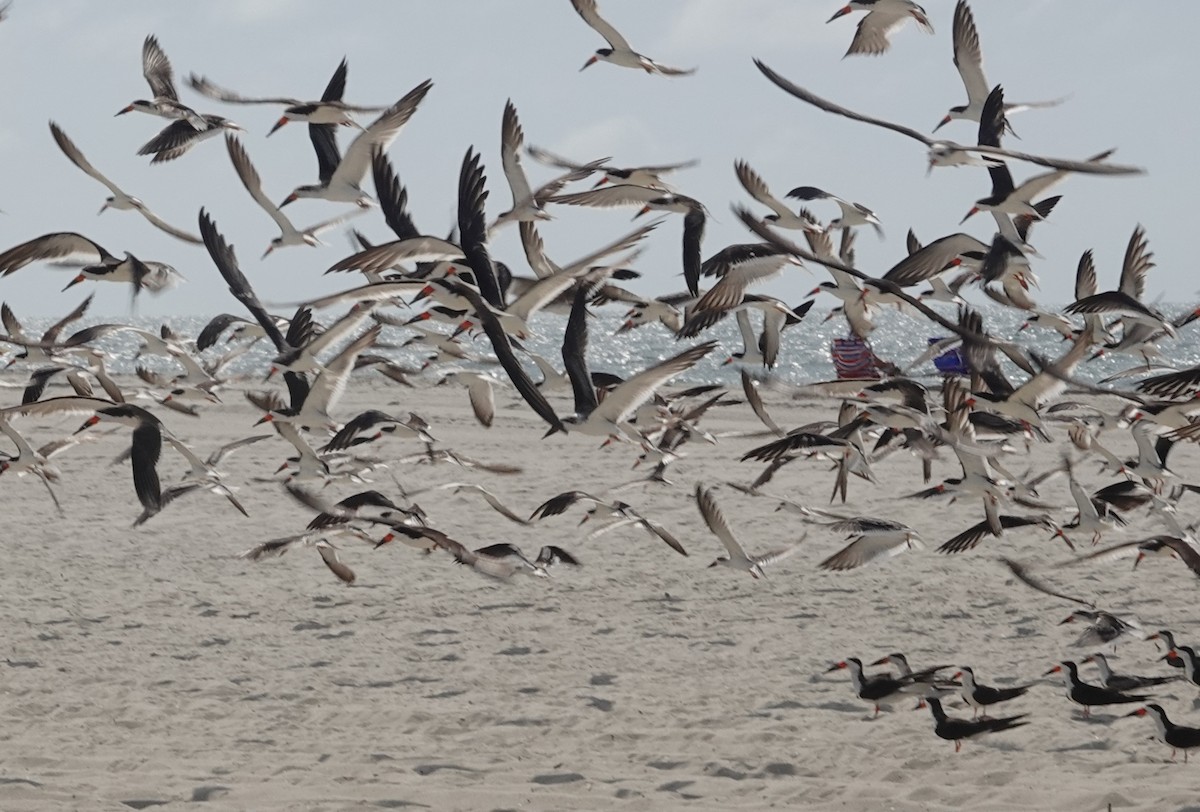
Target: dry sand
(152, 665)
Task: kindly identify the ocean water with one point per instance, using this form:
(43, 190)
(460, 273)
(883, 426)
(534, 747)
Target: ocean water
(804, 357)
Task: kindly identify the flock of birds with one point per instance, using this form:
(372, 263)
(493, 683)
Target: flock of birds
(979, 418)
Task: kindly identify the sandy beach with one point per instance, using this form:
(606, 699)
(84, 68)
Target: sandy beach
(153, 667)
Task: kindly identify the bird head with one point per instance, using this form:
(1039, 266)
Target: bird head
(841, 12)
(87, 424)
(75, 281)
(602, 53)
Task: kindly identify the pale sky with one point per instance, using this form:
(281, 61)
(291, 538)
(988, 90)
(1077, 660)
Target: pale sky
(1129, 69)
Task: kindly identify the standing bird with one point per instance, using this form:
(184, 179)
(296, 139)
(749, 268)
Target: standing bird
(980, 697)
(1081, 693)
(1177, 737)
(881, 690)
(955, 730)
(619, 52)
(1124, 682)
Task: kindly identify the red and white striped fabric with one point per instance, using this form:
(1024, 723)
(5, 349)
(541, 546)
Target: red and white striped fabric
(853, 359)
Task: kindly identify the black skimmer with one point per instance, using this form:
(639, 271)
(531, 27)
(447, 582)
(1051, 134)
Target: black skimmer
(329, 109)
(925, 682)
(1093, 517)
(737, 558)
(729, 295)
(618, 51)
(148, 432)
(354, 431)
(500, 561)
(472, 228)
(880, 690)
(341, 176)
(609, 418)
(763, 348)
(119, 199)
(623, 512)
(968, 58)
(1090, 696)
(488, 496)
(326, 388)
(1177, 737)
(99, 265)
(321, 541)
(870, 539)
(1103, 627)
(202, 476)
(551, 555)
(1008, 198)
(527, 203)
(853, 214)
(479, 390)
(782, 216)
(543, 267)
(955, 730)
(1142, 324)
(1172, 657)
(1123, 682)
(225, 259)
(883, 17)
(178, 137)
(930, 261)
(981, 697)
(366, 506)
(1025, 402)
(503, 348)
(29, 460)
(41, 350)
(1186, 549)
(534, 296)
(374, 260)
(1191, 662)
(289, 234)
(437, 456)
(943, 152)
(156, 68)
(649, 176)
(626, 194)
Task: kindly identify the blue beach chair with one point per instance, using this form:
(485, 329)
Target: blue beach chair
(951, 362)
